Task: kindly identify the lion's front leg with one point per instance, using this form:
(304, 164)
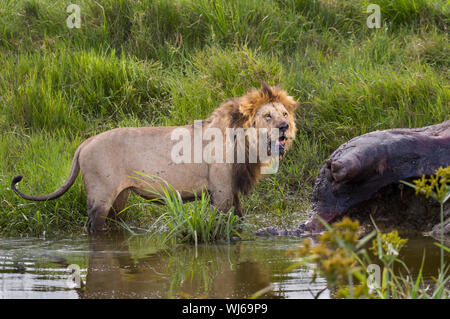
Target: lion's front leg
(222, 200)
(237, 205)
(220, 187)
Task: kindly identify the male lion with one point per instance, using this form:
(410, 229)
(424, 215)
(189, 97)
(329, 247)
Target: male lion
(110, 159)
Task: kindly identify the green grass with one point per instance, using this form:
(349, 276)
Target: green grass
(195, 222)
(139, 63)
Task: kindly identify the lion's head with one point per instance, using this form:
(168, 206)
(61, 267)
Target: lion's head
(273, 109)
(268, 108)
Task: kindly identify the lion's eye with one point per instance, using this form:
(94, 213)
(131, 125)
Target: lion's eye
(268, 116)
(285, 114)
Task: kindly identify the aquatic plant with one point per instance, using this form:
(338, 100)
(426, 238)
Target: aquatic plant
(342, 258)
(436, 186)
(335, 257)
(193, 222)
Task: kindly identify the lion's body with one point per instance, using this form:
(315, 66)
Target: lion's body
(109, 161)
(107, 168)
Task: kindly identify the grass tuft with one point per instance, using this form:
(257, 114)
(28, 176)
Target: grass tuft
(193, 222)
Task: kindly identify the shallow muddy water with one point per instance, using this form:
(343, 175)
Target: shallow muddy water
(136, 267)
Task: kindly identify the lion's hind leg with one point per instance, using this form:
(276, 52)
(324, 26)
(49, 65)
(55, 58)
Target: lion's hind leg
(96, 217)
(99, 208)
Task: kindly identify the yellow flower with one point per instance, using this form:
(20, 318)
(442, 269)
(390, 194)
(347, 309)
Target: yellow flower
(333, 261)
(391, 243)
(345, 230)
(437, 185)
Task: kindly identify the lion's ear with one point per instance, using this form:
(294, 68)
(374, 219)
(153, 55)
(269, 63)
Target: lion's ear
(266, 89)
(293, 106)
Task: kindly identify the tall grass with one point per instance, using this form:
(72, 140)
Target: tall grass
(194, 222)
(139, 63)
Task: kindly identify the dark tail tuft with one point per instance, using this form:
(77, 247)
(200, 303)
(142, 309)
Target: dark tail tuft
(15, 180)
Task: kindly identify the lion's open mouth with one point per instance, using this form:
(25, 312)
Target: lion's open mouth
(281, 144)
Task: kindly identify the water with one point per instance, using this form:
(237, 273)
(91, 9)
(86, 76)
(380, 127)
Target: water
(137, 267)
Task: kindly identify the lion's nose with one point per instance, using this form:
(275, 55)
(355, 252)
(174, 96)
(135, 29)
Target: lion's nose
(284, 126)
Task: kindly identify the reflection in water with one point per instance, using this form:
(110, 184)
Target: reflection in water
(139, 267)
(136, 269)
(414, 251)
(29, 268)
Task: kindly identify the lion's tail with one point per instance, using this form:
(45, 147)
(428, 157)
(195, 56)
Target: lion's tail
(60, 191)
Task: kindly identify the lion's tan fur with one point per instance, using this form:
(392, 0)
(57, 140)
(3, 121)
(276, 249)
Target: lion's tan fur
(108, 160)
